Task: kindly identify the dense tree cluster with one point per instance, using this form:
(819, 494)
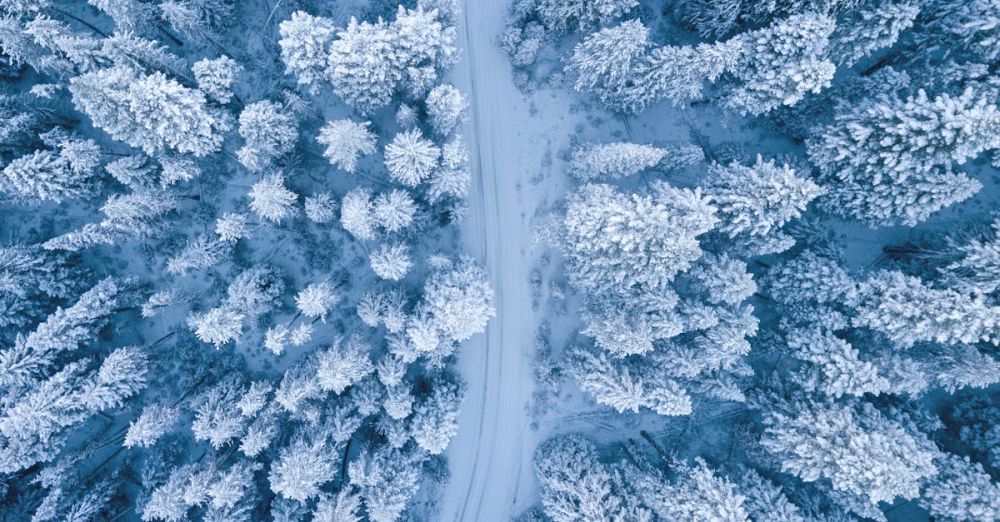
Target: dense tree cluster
(201, 316)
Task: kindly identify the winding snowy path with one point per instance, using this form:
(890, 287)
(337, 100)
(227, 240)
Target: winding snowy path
(490, 458)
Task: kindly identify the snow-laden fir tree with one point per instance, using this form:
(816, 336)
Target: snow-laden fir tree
(343, 364)
(869, 29)
(302, 467)
(446, 109)
(150, 112)
(316, 300)
(859, 450)
(562, 16)
(609, 161)
(45, 176)
(976, 268)
(451, 179)
(357, 214)
(781, 64)
(837, 367)
(962, 490)
(575, 484)
(231, 227)
(216, 77)
(268, 133)
(218, 326)
(605, 62)
(217, 418)
(320, 208)
(694, 493)
(882, 159)
(386, 479)
(756, 200)
(391, 261)
(272, 200)
(346, 141)
(394, 211)
(305, 42)
(679, 73)
(435, 416)
(411, 158)
(152, 424)
(614, 241)
(906, 311)
(627, 384)
(457, 300)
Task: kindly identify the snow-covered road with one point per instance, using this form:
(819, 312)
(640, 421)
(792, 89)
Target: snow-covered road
(490, 458)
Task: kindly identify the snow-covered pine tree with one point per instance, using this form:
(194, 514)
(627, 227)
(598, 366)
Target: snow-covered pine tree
(435, 416)
(394, 211)
(575, 484)
(216, 77)
(345, 141)
(391, 261)
(268, 132)
(446, 109)
(615, 242)
(386, 479)
(888, 160)
(870, 28)
(150, 112)
(609, 161)
(152, 424)
(757, 200)
(962, 490)
(343, 364)
(860, 451)
(305, 43)
(781, 63)
(605, 62)
(45, 176)
(357, 214)
(907, 311)
(411, 158)
(302, 467)
(272, 200)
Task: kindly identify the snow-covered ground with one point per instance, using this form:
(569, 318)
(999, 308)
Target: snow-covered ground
(490, 458)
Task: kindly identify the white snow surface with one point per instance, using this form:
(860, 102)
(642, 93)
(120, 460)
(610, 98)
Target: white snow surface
(490, 458)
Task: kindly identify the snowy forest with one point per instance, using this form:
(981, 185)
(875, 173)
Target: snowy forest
(500, 260)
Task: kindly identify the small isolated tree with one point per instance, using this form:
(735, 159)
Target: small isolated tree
(269, 133)
(609, 161)
(218, 326)
(391, 261)
(411, 158)
(345, 142)
(758, 199)
(216, 77)
(305, 42)
(781, 63)
(271, 200)
(446, 108)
